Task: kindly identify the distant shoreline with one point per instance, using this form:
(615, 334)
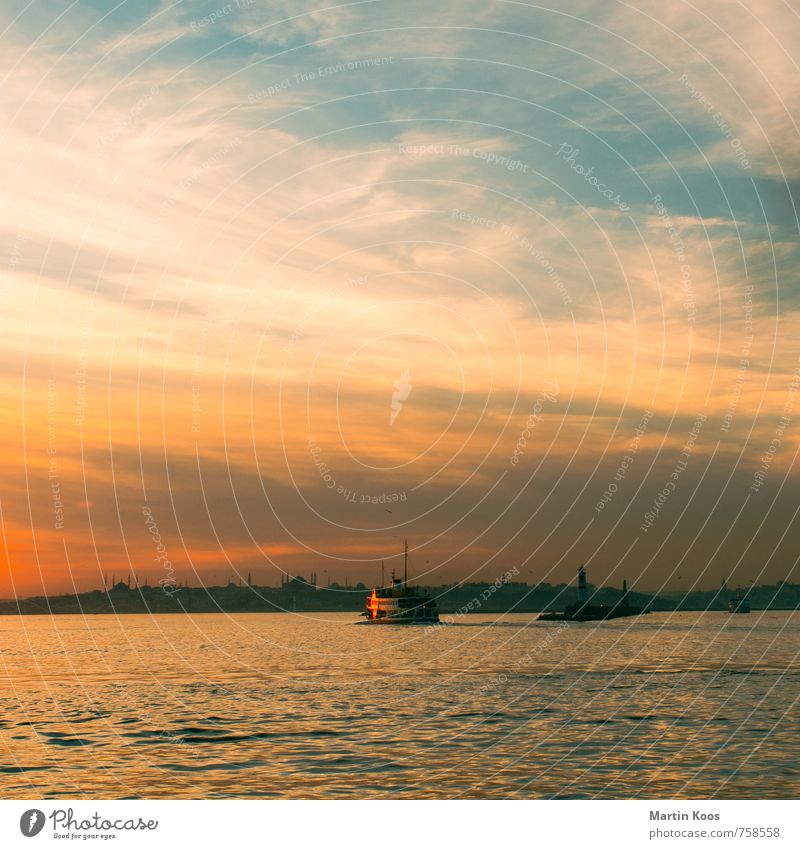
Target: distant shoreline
(353, 611)
(300, 596)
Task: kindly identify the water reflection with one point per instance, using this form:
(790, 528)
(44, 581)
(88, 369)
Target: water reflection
(679, 705)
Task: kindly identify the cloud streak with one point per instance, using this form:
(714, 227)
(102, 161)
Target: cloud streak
(225, 234)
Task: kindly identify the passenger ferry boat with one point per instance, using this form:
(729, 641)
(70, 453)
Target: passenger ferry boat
(401, 604)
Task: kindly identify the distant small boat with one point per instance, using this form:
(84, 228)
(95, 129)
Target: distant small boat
(582, 611)
(401, 604)
(739, 604)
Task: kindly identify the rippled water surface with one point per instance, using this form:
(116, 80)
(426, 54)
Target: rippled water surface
(312, 705)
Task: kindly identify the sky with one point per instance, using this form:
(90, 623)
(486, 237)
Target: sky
(284, 285)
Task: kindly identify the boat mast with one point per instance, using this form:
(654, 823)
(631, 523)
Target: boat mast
(405, 565)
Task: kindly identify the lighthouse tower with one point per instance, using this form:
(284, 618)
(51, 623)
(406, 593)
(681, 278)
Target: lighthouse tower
(583, 593)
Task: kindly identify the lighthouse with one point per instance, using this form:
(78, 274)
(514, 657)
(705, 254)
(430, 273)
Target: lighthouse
(583, 593)
(583, 611)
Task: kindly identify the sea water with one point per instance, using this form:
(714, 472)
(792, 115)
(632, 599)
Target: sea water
(687, 705)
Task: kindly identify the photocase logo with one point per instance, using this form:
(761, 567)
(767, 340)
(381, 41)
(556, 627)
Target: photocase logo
(402, 389)
(31, 822)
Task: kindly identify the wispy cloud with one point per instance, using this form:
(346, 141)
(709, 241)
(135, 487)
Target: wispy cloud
(223, 232)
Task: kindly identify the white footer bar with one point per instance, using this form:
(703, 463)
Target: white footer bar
(567, 824)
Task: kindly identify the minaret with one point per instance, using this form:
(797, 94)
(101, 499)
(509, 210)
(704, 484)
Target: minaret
(624, 593)
(583, 593)
(405, 565)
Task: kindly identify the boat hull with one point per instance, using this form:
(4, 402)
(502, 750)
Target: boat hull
(591, 613)
(396, 620)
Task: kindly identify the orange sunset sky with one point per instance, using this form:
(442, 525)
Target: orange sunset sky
(302, 282)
